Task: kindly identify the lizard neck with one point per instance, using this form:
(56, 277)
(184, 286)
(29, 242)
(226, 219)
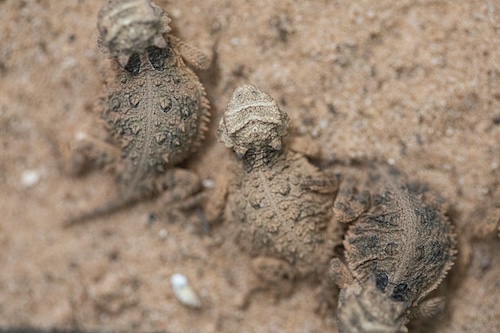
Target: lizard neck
(257, 159)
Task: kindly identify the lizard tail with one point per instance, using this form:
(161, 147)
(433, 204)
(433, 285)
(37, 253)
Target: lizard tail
(103, 210)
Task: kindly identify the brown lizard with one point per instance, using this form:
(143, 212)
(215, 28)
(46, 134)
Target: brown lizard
(156, 109)
(276, 202)
(398, 248)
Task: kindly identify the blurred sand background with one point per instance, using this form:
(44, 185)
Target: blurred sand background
(413, 83)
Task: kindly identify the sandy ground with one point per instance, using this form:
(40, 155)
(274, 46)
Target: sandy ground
(414, 83)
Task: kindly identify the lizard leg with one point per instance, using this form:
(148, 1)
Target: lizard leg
(86, 152)
(428, 308)
(350, 202)
(178, 187)
(340, 273)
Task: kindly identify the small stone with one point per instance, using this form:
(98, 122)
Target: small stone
(183, 291)
(163, 233)
(30, 178)
(208, 183)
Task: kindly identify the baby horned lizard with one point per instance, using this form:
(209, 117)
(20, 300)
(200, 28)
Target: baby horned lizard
(156, 108)
(398, 249)
(279, 204)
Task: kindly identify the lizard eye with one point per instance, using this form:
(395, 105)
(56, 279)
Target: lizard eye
(133, 65)
(156, 57)
(381, 281)
(399, 292)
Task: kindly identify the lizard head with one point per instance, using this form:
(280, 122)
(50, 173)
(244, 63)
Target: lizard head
(130, 26)
(252, 121)
(363, 307)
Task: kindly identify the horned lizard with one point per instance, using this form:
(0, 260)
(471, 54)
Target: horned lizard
(277, 203)
(398, 248)
(156, 109)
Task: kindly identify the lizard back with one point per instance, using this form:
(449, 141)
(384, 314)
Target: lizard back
(404, 240)
(157, 112)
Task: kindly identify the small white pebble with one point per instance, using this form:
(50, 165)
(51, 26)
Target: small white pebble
(235, 41)
(183, 291)
(391, 161)
(208, 183)
(175, 13)
(323, 123)
(163, 233)
(447, 166)
(178, 281)
(80, 136)
(30, 178)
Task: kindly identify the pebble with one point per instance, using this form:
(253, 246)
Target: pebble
(208, 183)
(184, 292)
(163, 233)
(30, 178)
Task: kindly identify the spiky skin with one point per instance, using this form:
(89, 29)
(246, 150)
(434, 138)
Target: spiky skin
(279, 217)
(397, 251)
(130, 26)
(278, 203)
(157, 113)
